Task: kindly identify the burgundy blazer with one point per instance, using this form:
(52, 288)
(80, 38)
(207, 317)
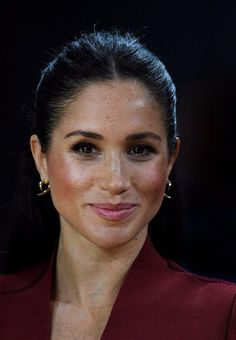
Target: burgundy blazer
(158, 300)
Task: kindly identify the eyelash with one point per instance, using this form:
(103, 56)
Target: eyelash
(146, 150)
(79, 146)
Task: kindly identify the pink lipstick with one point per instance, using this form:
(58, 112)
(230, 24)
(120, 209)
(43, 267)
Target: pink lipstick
(113, 212)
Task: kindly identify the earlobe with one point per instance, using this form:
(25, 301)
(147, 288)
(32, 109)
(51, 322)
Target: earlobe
(39, 156)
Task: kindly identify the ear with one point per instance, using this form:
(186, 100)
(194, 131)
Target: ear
(174, 156)
(40, 158)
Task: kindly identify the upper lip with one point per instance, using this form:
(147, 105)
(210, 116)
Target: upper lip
(110, 206)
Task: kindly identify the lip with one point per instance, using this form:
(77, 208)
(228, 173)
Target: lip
(113, 212)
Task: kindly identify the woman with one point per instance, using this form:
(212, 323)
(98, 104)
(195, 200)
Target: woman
(104, 143)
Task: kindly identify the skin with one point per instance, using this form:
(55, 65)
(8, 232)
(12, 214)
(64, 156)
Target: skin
(95, 253)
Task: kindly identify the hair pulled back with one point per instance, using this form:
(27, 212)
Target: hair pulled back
(98, 57)
(89, 59)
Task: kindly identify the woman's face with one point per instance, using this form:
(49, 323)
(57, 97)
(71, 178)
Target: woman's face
(108, 163)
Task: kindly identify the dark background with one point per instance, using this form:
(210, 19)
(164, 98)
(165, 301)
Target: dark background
(197, 43)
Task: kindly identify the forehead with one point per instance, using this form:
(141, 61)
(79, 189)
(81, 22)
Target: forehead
(111, 104)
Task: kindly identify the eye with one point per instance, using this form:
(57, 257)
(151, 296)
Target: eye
(84, 149)
(141, 151)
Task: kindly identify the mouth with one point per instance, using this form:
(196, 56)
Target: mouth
(113, 212)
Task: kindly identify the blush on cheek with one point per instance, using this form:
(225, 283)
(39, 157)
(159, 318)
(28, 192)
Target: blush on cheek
(155, 179)
(61, 175)
(68, 179)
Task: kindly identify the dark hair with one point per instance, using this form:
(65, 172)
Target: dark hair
(95, 57)
(98, 57)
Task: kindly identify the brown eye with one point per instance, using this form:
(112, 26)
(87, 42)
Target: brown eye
(141, 150)
(84, 149)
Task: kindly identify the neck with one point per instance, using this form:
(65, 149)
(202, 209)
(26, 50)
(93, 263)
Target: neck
(88, 274)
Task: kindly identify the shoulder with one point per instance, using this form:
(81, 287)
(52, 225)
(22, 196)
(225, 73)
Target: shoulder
(199, 280)
(166, 281)
(192, 287)
(20, 280)
(198, 290)
(25, 303)
(164, 299)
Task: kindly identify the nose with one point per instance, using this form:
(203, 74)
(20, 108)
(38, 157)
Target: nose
(115, 176)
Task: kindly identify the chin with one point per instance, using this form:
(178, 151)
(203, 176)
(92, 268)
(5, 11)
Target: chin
(116, 238)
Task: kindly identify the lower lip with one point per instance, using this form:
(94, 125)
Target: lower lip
(113, 215)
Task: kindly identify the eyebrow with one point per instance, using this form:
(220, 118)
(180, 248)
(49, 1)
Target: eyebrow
(88, 134)
(143, 135)
(134, 136)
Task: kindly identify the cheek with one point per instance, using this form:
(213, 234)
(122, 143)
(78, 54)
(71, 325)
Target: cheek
(153, 189)
(66, 177)
(153, 181)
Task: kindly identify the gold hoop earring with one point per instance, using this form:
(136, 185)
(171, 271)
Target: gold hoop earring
(168, 188)
(44, 187)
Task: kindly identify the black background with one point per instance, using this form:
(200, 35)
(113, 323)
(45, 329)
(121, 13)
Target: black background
(197, 43)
